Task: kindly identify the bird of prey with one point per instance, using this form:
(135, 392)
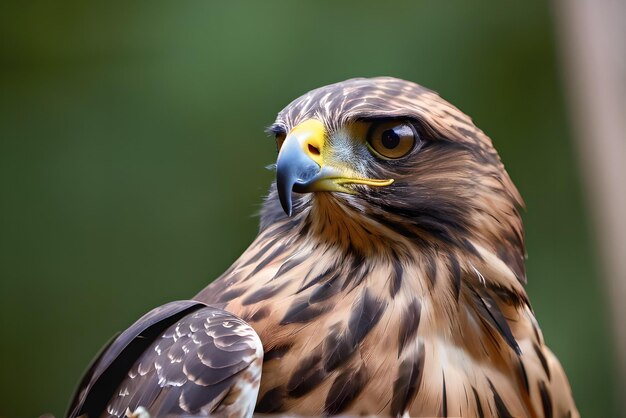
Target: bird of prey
(387, 278)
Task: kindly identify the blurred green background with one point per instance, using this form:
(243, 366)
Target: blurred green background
(132, 159)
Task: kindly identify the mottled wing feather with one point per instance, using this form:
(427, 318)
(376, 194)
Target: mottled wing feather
(110, 365)
(207, 362)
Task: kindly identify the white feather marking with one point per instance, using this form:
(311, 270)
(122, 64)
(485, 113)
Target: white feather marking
(140, 412)
(481, 278)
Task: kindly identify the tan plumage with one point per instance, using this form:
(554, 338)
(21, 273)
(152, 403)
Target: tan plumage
(392, 299)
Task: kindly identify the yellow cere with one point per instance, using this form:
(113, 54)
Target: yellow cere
(311, 134)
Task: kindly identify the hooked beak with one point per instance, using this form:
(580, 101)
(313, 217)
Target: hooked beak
(301, 167)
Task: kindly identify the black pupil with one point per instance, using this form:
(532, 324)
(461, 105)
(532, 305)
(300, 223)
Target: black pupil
(390, 139)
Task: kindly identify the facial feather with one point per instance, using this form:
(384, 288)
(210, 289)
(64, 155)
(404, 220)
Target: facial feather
(451, 191)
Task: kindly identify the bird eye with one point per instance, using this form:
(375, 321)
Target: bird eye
(392, 139)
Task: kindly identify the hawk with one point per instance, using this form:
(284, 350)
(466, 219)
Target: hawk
(387, 278)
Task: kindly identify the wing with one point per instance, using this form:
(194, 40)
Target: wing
(182, 358)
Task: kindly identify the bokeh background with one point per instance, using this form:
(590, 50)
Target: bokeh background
(132, 159)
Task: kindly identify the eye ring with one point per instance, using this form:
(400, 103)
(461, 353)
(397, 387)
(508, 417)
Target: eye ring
(392, 139)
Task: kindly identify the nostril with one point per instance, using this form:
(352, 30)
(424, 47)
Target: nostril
(314, 150)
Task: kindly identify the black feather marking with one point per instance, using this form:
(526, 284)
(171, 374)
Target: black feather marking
(501, 408)
(301, 311)
(409, 324)
(470, 248)
(523, 375)
(306, 226)
(479, 407)
(395, 280)
(455, 269)
(260, 314)
(400, 229)
(407, 383)
(340, 345)
(366, 313)
(336, 348)
(546, 400)
(444, 400)
(263, 250)
(307, 376)
(488, 310)
(542, 359)
(345, 389)
(444, 223)
(263, 293)
(271, 401)
(536, 331)
(306, 383)
(513, 260)
(319, 278)
(231, 294)
(325, 290)
(508, 296)
(276, 352)
(288, 265)
(358, 270)
(431, 270)
(288, 225)
(269, 258)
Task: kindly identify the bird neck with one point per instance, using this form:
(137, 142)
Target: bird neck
(322, 257)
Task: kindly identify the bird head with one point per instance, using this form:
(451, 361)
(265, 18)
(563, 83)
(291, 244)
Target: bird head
(391, 160)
